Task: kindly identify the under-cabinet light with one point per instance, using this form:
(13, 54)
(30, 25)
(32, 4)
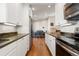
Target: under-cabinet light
(49, 6)
(10, 24)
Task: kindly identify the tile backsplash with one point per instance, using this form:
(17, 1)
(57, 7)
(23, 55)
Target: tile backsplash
(3, 35)
(6, 29)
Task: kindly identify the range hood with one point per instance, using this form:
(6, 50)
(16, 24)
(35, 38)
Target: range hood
(72, 12)
(74, 16)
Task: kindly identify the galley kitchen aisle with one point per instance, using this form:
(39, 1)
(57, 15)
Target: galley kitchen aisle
(29, 29)
(42, 16)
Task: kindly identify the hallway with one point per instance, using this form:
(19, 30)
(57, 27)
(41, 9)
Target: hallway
(39, 48)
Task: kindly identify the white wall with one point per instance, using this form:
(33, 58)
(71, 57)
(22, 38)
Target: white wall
(37, 25)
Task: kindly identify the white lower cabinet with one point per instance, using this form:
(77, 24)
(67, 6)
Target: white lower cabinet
(25, 45)
(13, 52)
(17, 48)
(51, 43)
(28, 43)
(21, 47)
(53, 46)
(7, 49)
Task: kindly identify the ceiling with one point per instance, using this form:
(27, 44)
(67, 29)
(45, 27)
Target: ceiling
(42, 10)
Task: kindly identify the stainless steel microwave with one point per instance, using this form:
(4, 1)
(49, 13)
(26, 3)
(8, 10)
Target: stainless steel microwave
(71, 11)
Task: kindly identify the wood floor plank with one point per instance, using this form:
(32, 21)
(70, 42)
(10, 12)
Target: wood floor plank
(39, 48)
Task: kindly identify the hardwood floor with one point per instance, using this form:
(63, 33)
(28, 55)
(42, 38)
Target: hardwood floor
(39, 48)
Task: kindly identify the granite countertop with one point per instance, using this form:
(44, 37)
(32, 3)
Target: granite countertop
(11, 39)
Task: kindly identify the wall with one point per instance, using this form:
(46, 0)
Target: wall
(38, 25)
(43, 19)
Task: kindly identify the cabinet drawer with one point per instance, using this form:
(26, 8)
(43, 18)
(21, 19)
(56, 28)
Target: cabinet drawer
(13, 52)
(5, 50)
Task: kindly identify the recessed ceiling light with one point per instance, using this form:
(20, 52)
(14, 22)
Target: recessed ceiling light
(49, 6)
(33, 9)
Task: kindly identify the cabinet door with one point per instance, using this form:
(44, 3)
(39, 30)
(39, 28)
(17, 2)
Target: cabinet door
(2, 12)
(28, 42)
(53, 45)
(13, 52)
(46, 38)
(13, 13)
(7, 49)
(50, 41)
(18, 50)
(25, 48)
(22, 47)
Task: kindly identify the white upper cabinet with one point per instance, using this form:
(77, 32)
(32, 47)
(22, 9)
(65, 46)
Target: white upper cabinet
(2, 12)
(10, 12)
(13, 12)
